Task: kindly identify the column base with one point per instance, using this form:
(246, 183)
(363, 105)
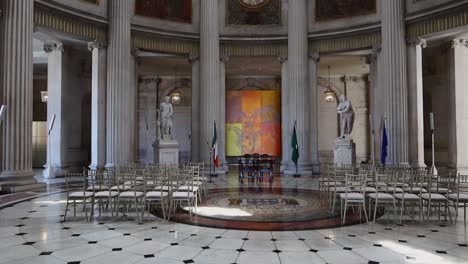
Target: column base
(96, 166)
(303, 169)
(19, 181)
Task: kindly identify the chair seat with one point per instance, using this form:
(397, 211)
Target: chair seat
(162, 188)
(120, 187)
(463, 197)
(76, 195)
(366, 189)
(407, 196)
(105, 194)
(414, 190)
(130, 194)
(187, 188)
(352, 196)
(340, 189)
(130, 183)
(392, 189)
(98, 188)
(440, 190)
(433, 196)
(381, 196)
(378, 184)
(154, 194)
(179, 194)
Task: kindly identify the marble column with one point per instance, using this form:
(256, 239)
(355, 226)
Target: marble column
(98, 104)
(395, 80)
(209, 75)
(222, 117)
(415, 103)
(313, 113)
(298, 82)
(56, 83)
(285, 126)
(377, 95)
(460, 93)
(120, 87)
(17, 95)
(195, 118)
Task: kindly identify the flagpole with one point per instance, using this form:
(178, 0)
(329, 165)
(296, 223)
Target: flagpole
(211, 168)
(373, 139)
(296, 174)
(433, 168)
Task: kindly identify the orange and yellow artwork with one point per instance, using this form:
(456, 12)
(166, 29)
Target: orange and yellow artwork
(253, 122)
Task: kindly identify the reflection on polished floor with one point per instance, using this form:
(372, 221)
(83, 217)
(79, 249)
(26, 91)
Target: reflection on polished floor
(32, 232)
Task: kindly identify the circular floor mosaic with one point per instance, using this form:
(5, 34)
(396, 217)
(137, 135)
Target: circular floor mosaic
(262, 208)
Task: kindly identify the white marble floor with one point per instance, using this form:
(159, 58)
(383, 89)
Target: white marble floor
(32, 232)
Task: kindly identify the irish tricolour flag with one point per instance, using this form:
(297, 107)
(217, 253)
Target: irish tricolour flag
(214, 145)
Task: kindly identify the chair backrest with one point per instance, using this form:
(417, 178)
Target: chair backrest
(462, 185)
(76, 181)
(355, 182)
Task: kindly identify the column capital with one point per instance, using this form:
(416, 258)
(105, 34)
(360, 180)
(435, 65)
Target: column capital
(53, 46)
(418, 42)
(315, 57)
(135, 52)
(192, 58)
(282, 59)
(96, 45)
(224, 58)
(460, 43)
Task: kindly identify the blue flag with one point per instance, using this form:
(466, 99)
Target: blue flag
(383, 154)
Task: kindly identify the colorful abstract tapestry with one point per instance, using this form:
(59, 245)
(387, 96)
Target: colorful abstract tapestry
(253, 122)
(175, 10)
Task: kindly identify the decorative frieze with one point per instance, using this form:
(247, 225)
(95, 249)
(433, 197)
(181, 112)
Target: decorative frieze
(354, 42)
(257, 49)
(456, 17)
(164, 45)
(59, 21)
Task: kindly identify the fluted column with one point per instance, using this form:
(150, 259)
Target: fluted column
(98, 104)
(285, 122)
(222, 118)
(120, 88)
(209, 75)
(313, 112)
(460, 93)
(415, 103)
(377, 96)
(195, 122)
(56, 83)
(395, 80)
(298, 78)
(17, 92)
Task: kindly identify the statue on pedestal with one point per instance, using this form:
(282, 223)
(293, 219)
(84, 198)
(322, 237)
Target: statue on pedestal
(166, 115)
(345, 149)
(345, 109)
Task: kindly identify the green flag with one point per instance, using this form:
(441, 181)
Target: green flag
(295, 147)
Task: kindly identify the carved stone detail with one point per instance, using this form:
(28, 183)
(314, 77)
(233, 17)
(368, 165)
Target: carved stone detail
(96, 45)
(315, 57)
(49, 47)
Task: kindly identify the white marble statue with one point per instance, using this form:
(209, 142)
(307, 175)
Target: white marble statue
(345, 109)
(166, 115)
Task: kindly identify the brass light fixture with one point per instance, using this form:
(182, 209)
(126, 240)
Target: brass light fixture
(44, 96)
(330, 95)
(176, 97)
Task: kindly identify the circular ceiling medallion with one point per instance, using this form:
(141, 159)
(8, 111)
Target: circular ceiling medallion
(253, 3)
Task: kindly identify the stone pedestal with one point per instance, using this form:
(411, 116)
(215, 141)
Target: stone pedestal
(166, 152)
(344, 152)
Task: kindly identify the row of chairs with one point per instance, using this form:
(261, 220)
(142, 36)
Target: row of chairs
(389, 188)
(138, 188)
